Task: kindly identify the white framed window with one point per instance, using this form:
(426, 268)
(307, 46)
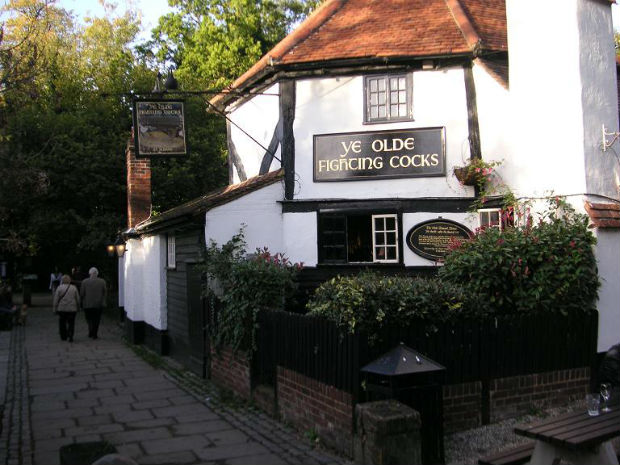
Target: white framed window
(358, 238)
(495, 218)
(388, 98)
(172, 251)
(385, 238)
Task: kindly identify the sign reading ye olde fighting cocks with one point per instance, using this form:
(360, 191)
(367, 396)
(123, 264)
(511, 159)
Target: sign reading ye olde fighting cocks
(377, 155)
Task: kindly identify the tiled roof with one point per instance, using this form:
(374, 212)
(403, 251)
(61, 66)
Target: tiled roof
(343, 30)
(604, 215)
(208, 201)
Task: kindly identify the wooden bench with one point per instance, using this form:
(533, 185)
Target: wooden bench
(516, 456)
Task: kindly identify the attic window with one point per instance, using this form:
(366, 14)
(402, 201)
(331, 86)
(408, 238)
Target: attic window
(388, 98)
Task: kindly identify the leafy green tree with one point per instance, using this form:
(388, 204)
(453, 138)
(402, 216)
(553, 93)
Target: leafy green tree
(212, 42)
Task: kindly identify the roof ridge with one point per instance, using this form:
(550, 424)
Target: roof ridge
(313, 22)
(465, 24)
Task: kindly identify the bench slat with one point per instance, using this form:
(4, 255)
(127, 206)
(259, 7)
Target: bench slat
(515, 456)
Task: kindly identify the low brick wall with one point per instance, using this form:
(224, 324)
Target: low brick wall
(231, 371)
(466, 405)
(310, 405)
(462, 406)
(517, 395)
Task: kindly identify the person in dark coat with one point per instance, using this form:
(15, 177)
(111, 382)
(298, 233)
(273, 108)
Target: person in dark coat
(93, 293)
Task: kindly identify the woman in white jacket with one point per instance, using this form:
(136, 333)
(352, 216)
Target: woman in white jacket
(66, 305)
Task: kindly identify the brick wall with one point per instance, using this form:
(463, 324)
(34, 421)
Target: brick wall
(138, 187)
(231, 371)
(462, 406)
(310, 405)
(467, 405)
(516, 395)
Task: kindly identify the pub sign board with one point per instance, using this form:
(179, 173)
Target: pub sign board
(432, 239)
(159, 128)
(357, 156)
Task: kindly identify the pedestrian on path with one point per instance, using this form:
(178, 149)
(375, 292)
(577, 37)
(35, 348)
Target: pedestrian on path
(55, 278)
(93, 293)
(66, 305)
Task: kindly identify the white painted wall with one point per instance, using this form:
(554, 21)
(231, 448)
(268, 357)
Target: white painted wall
(335, 105)
(608, 261)
(493, 119)
(599, 96)
(300, 237)
(547, 131)
(258, 117)
(144, 279)
(259, 211)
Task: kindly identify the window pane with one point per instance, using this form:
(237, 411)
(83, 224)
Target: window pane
(379, 224)
(390, 224)
(381, 84)
(381, 98)
(402, 110)
(374, 99)
(494, 218)
(393, 83)
(394, 97)
(402, 96)
(373, 85)
(374, 112)
(382, 111)
(359, 240)
(379, 239)
(393, 110)
(391, 253)
(402, 82)
(391, 238)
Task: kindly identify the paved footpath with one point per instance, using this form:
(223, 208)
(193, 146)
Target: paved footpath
(54, 393)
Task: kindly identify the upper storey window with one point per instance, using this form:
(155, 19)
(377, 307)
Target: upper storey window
(388, 98)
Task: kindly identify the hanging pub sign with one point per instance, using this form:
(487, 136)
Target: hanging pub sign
(433, 239)
(159, 128)
(357, 156)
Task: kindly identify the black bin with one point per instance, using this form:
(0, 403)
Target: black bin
(415, 380)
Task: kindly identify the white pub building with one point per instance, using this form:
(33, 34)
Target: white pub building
(343, 141)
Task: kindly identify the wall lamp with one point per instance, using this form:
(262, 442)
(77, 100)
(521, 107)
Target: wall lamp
(118, 248)
(609, 142)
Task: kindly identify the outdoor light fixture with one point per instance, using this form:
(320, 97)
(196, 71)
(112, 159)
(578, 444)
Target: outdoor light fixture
(169, 84)
(118, 248)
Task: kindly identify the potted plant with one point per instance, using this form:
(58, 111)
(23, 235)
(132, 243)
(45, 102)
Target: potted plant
(476, 172)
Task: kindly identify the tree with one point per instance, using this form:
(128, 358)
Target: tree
(211, 42)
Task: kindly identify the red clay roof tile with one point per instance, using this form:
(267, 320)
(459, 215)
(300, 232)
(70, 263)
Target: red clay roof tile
(363, 29)
(604, 215)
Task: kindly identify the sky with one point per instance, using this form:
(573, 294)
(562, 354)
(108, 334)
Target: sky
(151, 10)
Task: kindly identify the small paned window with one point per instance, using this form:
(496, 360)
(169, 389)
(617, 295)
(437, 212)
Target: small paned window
(358, 238)
(172, 252)
(388, 98)
(495, 218)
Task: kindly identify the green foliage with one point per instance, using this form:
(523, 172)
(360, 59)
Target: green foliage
(245, 285)
(544, 267)
(369, 301)
(212, 42)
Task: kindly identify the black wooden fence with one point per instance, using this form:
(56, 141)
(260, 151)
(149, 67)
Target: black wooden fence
(507, 345)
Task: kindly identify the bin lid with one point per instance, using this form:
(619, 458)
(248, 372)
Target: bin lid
(402, 360)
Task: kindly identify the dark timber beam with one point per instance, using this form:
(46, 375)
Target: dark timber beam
(287, 115)
(233, 157)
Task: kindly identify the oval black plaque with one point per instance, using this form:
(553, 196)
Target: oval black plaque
(432, 239)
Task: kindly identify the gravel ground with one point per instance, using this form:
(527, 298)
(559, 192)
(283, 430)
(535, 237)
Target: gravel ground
(466, 447)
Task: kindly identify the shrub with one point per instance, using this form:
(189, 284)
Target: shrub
(245, 284)
(546, 267)
(369, 301)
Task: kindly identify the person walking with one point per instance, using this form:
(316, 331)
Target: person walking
(55, 278)
(93, 293)
(66, 306)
